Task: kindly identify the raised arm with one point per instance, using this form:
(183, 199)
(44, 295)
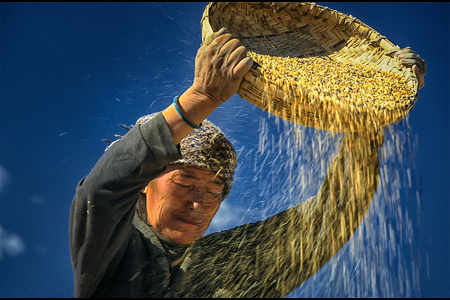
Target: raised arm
(104, 205)
(220, 66)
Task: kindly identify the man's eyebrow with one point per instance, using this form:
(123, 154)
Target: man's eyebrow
(188, 174)
(218, 182)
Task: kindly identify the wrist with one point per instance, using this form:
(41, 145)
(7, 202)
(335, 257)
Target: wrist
(198, 96)
(177, 108)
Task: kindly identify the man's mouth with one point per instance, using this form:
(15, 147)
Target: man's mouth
(192, 221)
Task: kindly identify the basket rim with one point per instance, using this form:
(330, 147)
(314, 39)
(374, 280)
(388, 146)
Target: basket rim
(347, 23)
(343, 20)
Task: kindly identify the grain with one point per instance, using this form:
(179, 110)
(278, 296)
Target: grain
(349, 84)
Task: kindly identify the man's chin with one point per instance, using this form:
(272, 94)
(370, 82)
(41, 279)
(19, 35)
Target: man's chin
(185, 235)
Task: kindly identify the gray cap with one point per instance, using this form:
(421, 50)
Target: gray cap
(207, 147)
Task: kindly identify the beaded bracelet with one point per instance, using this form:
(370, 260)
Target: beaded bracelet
(175, 102)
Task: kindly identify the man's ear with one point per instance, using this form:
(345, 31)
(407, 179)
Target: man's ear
(145, 190)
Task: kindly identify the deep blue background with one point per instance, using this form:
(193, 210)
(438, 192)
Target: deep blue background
(71, 72)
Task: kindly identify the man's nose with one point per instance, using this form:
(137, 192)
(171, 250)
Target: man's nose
(196, 198)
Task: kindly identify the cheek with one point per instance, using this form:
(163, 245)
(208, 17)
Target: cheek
(155, 209)
(211, 212)
(162, 215)
(160, 210)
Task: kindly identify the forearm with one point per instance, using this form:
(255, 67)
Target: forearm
(220, 65)
(194, 106)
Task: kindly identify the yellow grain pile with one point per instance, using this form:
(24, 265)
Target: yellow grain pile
(317, 67)
(344, 84)
(344, 91)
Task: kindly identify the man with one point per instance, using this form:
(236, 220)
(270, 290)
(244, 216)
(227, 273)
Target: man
(137, 219)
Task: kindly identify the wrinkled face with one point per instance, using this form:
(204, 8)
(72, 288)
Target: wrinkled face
(182, 202)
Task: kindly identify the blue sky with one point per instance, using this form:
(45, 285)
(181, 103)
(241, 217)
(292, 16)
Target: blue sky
(71, 72)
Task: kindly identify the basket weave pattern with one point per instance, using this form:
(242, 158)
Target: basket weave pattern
(307, 30)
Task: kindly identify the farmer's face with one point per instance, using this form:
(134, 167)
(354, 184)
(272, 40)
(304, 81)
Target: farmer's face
(182, 202)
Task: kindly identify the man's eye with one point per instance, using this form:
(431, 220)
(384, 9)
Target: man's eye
(183, 185)
(216, 195)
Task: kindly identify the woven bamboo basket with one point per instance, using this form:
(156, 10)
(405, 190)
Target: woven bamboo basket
(307, 31)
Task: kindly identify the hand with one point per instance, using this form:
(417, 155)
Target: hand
(409, 58)
(220, 66)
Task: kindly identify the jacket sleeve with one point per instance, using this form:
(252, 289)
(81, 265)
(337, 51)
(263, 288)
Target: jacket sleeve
(271, 258)
(104, 204)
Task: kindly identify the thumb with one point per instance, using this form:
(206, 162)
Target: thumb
(210, 37)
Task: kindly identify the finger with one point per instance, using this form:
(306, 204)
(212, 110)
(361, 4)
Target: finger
(409, 58)
(419, 75)
(243, 67)
(237, 54)
(214, 35)
(209, 38)
(405, 50)
(411, 55)
(418, 69)
(409, 62)
(233, 53)
(223, 45)
(408, 52)
(228, 47)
